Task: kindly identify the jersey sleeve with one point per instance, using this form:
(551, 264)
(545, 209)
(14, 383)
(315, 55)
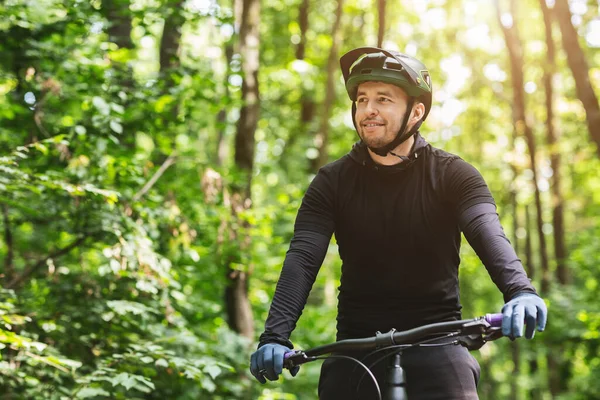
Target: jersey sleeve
(317, 211)
(464, 186)
(482, 228)
(476, 211)
(312, 232)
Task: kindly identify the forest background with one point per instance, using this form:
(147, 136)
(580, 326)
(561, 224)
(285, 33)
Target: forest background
(153, 154)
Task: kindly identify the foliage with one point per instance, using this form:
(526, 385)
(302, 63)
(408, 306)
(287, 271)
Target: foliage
(117, 174)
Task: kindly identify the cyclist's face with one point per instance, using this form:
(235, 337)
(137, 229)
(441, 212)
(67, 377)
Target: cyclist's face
(380, 108)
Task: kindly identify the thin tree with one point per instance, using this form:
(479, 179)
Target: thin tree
(515, 51)
(171, 37)
(322, 137)
(231, 46)
(307, 112)
(579, 67)
(556, 363)
(9, 267)
(239, 311)
(533, 361)
(381, 25)
(221, 145)
(170, 46)
(560, 249)
(120, 24)
(307, 102)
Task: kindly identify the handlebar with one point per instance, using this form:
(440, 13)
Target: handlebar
(475, 333)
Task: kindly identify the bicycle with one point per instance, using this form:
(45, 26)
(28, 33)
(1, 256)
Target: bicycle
(470, 333)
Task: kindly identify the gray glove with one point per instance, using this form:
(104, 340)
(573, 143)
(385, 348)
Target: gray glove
(525, 308)
(267, 362)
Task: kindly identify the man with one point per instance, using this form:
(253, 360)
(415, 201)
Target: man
(397, 206)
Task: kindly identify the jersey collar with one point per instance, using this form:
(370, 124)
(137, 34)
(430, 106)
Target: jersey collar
(360, 155)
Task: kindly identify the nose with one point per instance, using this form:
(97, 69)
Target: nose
(370, 108)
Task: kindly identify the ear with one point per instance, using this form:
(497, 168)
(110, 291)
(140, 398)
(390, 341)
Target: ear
(418, 111)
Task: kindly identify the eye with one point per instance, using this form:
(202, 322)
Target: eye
(361, 100)
(384, 99)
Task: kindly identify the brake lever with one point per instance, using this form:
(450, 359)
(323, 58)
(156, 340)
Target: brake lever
(472, 342)
(477, 333)
(475, 341)
(493, 334)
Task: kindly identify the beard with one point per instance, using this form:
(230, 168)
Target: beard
(374, 141)
(384, 135)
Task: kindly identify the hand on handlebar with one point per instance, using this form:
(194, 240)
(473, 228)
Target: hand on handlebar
(267, 362)
(525, 308)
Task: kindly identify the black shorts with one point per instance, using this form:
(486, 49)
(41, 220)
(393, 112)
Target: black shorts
(432, 373)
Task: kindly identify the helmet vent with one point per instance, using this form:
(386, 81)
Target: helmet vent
(395, 66)
(427, 78)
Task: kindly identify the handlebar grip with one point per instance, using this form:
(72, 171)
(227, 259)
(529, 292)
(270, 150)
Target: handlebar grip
(494, 320)
(288, 354)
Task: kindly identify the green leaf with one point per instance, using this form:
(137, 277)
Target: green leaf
(208, 385)
(124, 379)
(80, 130)
(145, 381)
(161, 362)
(116, 126)
(117, 108)
(212, 370)
(89, 392)
(101, 105)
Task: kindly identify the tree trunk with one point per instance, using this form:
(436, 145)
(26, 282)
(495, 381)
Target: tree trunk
(303, 23)
(221, 145)
(514, 381)
(531, 352)
(231, 47)
(515, 350)
(560, 249)
(119, 18)
(322, 137)
(579, 67)
(381, 25)
(529, 246)
(555, 361)
(171, 37)
(307, 104)
(236, 294)
(515, 51)
(515, 217)
(119, 32)
(9, 268)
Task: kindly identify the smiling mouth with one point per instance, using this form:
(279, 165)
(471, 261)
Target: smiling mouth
(371, 125)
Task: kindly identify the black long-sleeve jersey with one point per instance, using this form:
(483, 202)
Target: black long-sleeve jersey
(398, 233)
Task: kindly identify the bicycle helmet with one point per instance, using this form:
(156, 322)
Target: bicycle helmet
(374, 64)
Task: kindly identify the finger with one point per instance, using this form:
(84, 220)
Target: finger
(517, 320)
(253, 364)
(507, 312)
(530, 320)
(268, 365)
(278, 354)
(254, 370)
(261, 361)
(542, 316)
